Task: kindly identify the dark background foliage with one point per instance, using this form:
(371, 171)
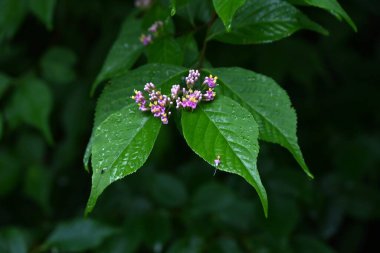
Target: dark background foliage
(175, 203)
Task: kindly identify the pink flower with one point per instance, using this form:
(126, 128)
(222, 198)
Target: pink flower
(175, 91)
(164, 119)
(146, 39)
(149, 87)
(217, 161)
(210, 81)
(191, 99)
(156, 26)
(209, 95)
(160, 104)
(192, 77)
(140, 100)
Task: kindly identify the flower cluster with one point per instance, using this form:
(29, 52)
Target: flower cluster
(157, 103)
(182, 98)
(153, 32)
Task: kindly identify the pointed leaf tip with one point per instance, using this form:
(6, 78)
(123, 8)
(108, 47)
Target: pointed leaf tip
(225, 129)
(268, 103)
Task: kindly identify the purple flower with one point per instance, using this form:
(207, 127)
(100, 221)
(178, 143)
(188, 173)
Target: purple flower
(190, 99)
(160, 104)
(154, 95)
(209, 95)
(163, 100)
(192, 77)
(217, 161)
(164, 119)
(175, 91)
(140, 101)
(210, 81)
(157, 110)
(149, 87)
(156, 26)
(146, 39)
(178, 103)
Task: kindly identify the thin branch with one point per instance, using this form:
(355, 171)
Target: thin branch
(204, 46)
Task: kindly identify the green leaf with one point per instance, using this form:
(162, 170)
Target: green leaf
(189, 48)
(226, 10)
(32, 103)
(44, 11)
(173, 6)
(166, 50)
(278, 224)
(268, 103)
(224, 128)
(38, 182)
(309, 244)
(158, 228)
(168, 190)
(78, 235)
(12, 13)
(57, 65)
(124, 242)
(117, 95)
(121, 145)
(330, 5)
(225, 245)
(211, 197)
(10, 172)
(13, 240)
(124, 52)
(187, 245)
(87, 154)
(262, 21)
(195, 10)
(25, 140)
(5, 81)
(1, 126)
(116, 99)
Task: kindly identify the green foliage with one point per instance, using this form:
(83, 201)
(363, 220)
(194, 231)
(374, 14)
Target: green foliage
(13, 240)
(268, 103)
(112, 144)
(44, 10)
(189, 48)
(57, 65)
(168, 191)
(5, 81)
(263, 21)
(12, 13)
(78, 235)
(225, 129)
(180, 200)
(167, 51)
(124, 52)
(38, 186)
(330, 5)
(120, 146)
(31, 104)
(1, 126)
(226, 10)
(9, 172)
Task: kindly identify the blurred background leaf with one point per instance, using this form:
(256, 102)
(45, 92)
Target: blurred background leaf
(32, 104)
(44, 10)
(78, 235)
(175, 203)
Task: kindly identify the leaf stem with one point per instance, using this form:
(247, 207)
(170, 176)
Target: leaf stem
(204, 46)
